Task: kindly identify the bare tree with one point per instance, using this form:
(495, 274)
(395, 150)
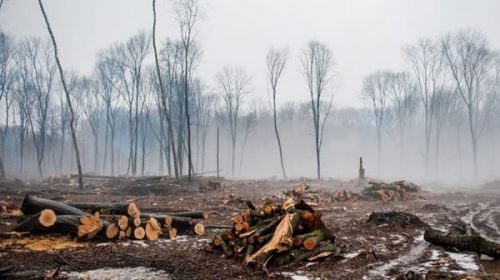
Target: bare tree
(68, 99)
(401, 94)
(42, 74)
(187, 14)
(92, 108)
(7, 76)
(108, 78)
(170, 59)
(249, 121)
(443, 105)
(317, 63)
(163, 98)
(276, 60)
(376, 93)
(234, 83)
(427, 65)
(23, 99)
(129, 60)
(471, 63)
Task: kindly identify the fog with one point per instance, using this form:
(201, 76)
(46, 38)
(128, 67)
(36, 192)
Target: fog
(412, 88)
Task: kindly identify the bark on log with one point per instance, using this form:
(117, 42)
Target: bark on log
(463, 242)
(63, 224)
(189, 214)
(33, 205)
(118, 208)
(184, 224)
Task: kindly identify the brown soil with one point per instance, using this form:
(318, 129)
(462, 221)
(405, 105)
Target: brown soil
(365, 251)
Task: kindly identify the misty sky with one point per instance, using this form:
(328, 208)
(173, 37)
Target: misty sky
(364, 35)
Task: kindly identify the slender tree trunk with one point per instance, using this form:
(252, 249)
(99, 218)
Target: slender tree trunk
(2, 170)
(105, 156)
(112, 148)
(217, 152)
(438, 141)
(278, 135)
(21, 155)
(96, 152)
(136, 128)
(379, 149)
(473, 140)
(68, 99)
(61, 155)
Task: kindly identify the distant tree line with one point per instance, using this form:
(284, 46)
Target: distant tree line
(143, 109)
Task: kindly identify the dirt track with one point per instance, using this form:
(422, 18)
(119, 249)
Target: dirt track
(364, 251)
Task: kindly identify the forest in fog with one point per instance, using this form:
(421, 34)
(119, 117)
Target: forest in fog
(436, 120)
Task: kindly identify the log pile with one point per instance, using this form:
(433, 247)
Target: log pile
(395, 191)
(304, 192)
(275, 234)
(108, 221)
(344, 196)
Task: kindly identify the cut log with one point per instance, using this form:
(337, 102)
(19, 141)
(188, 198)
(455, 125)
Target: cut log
(151, 233)
(122, 235)
(312, 240)
(139, 233)
(463, 242)
(112, 231)
(90, 225)
(199, 229)
(183, 224)
(117, 208)
(33, 204)
(128, 232)
(172, 232)
(281, 240)
(190, 214)
(135, 222)
(133, 210)
(63, 224)
(155, 224)
(47, 218)
(123, 222)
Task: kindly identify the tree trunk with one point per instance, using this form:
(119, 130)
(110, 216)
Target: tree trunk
(68, 99)
(463, 242)
(218, 152)
(2, 170)
(277, 134)
(33, 204)
(163, 99)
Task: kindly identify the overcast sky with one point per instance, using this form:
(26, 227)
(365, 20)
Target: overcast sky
(364, 35)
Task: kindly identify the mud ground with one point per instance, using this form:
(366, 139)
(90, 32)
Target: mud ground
(364, 251)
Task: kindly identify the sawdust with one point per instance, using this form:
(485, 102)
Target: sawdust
(40, 243)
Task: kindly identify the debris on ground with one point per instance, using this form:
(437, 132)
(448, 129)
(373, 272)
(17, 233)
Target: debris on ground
(276, 234)
(40, 243)
(395, 191)
(395, 218)
(109, 221)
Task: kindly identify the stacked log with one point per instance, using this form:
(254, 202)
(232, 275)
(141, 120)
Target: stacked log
(344, 196)
(304, 192)
(275, 234)
(110, 221)
(395, 191)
